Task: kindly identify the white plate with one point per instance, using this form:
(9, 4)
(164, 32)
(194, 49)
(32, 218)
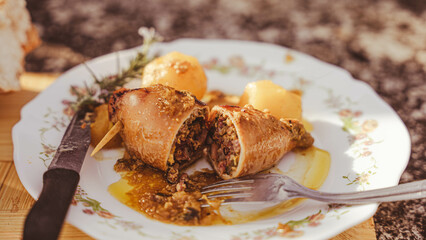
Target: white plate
(368, 143)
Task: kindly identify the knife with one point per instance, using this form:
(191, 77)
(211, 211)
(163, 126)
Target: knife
(45, 219)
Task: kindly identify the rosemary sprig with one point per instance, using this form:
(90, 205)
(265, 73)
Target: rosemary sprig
(88, 97)
(85, 99)
(111, 83)
(137, 64)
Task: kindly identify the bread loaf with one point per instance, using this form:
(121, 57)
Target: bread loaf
(17, 37)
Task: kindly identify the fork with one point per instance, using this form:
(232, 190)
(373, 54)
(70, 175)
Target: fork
(275, 188)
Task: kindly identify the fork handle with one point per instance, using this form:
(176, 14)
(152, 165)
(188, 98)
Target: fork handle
(406, 191)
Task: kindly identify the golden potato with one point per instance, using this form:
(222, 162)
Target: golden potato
(176, 70)
(101, 126)
(267, 95)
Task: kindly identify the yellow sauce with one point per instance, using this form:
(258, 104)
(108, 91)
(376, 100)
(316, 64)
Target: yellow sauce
(308, 126)
(309, 168)
(147, 191)
(318, 162)
(119, 190)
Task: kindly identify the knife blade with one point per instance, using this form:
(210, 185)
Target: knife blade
(45, 219)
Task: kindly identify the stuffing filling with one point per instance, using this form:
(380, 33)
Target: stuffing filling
(224, 145)
(188, 144)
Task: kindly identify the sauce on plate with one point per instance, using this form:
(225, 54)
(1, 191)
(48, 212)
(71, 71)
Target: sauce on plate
(147, 191)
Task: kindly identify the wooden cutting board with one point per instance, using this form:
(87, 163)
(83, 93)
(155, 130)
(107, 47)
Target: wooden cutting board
(15, 202)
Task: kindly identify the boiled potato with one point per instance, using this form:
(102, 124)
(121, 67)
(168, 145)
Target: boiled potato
(101, 126)
(176, 70)
(267, 95)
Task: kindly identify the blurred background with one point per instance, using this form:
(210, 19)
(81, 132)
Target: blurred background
(382, 43)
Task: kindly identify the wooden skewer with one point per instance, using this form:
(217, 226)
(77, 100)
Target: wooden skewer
(110, 134)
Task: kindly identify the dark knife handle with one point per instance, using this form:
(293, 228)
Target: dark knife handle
(45, 219)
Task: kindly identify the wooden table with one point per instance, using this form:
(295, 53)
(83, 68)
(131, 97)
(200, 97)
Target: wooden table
(15, 202)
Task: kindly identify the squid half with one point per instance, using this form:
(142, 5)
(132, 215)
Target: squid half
(243, 141)
(163, 127)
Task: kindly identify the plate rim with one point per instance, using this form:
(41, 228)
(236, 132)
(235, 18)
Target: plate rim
(20, 124)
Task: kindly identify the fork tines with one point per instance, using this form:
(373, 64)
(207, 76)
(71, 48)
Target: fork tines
(232, 190)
